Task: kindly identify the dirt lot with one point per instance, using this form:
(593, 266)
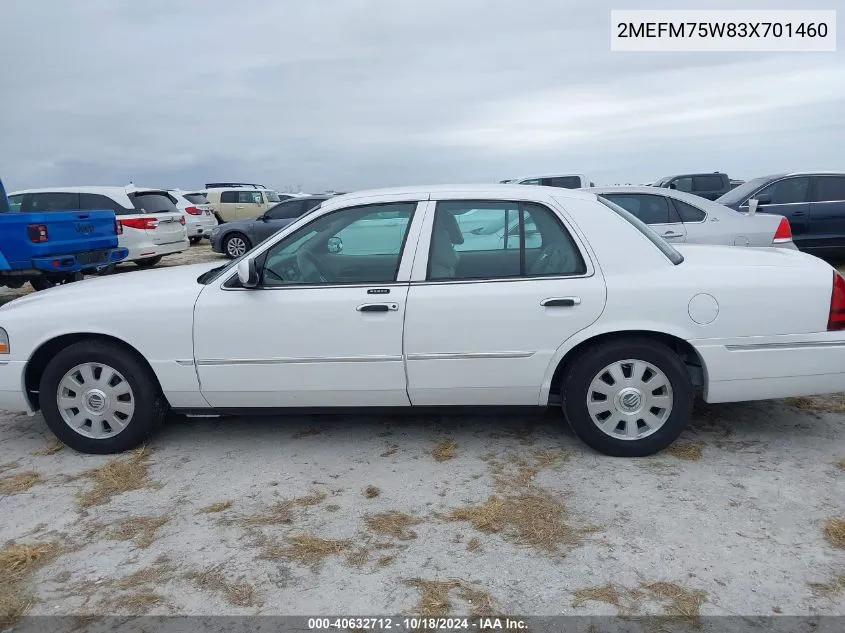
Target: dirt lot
(310, 515)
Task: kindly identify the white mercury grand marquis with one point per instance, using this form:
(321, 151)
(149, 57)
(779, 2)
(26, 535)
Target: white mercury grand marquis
(381, 299)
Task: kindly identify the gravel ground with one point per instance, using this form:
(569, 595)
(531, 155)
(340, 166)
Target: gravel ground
(342, 515)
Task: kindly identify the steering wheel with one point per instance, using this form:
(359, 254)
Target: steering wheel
(312, 269)
(553, 259)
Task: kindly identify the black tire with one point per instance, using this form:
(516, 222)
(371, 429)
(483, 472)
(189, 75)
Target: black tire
(106, 270)
(148, 263)
(196, 239)
(235, 235)
(44, 282)
(150, 405)
(575, 389)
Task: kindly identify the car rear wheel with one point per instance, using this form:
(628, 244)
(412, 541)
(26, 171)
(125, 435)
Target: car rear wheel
(236, 245)
(47, 281)
(196, 239)
(100, 398)
(148, 262)
(628, 398)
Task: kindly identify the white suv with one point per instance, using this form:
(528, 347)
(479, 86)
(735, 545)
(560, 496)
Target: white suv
(152, 224)
(198, 213)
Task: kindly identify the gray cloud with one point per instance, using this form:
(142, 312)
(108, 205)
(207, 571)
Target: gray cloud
(362, 93)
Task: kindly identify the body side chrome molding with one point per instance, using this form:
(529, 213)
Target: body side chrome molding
(469, 355)
(773, 346)
(205, 362)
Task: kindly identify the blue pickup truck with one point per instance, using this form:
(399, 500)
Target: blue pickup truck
(56, 247)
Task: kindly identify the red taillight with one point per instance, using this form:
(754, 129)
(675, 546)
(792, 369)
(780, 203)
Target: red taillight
(193, 210)
(836, 317)
(140, 223)
(182, 220)
(37, 233)
(784, 232)
(118, 227)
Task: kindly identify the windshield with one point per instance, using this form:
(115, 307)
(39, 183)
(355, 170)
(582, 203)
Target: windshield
(674, 256)
(272, 196)
(743, 192)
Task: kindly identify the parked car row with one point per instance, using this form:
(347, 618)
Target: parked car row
(486, 295)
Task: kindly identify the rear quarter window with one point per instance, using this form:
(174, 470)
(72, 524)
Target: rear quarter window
(196, 198)
(671, 254)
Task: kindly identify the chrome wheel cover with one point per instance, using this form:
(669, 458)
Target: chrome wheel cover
(95, 400)
(630, 399)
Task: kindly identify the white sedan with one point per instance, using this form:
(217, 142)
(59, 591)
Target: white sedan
(680, 217)
(596, 315)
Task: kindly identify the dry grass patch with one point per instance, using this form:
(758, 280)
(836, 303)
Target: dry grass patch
(332, 507)
(116, 476)
(605, 593)
(828, 589)
(220, 506)
(157, 574)
(444, 450)
(832, 403)
(533, 518)
(18, 562)
(688, 451)
(277, 513)
(53, 447)
(834, 532)
(313, 499)
(840, 464)
(9, 466)
(436, 600)
(391, 450)
(677, 601)
(133, 603)
(394, 523)
(141, 530)
(384, 561)
(237, 594)
(359, 557)
(21, 482)
(371, 492)
(307, 549)
(473, 545)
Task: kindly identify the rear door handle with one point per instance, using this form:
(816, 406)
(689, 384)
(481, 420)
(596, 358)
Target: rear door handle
(378, 307)
(560, 302)
(799, 213)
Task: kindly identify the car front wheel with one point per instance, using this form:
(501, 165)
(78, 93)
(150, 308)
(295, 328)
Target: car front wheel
(99, 398)
(628, 398)
(236, 245)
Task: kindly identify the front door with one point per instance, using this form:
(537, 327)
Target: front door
(788, 197)
(827, 213)
(324, 327)
(485, 315)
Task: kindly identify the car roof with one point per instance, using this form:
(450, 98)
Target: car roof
(90, 189)
(557, 175)
(484, 190)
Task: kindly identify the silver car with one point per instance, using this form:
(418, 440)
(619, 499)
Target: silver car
(683, 217)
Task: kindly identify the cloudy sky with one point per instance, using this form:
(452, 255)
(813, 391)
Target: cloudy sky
(345, 94)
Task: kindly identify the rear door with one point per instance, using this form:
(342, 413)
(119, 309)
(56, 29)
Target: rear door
(485, 318)
(169, 228)
(827, 212)
(655, 210)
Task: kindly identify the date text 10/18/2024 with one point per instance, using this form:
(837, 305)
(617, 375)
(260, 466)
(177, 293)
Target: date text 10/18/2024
(417, 624)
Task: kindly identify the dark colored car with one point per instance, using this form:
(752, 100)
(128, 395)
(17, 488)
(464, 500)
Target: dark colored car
(813, 202)
(233, 239)
(710, 186)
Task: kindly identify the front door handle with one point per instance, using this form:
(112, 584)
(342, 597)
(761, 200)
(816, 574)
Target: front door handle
(378, 307)
(797, 213)
(670, 234)
(560, 302)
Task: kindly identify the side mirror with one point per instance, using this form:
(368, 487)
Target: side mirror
(247, 274)
(334, 245)
(265, 218)
(752, 206)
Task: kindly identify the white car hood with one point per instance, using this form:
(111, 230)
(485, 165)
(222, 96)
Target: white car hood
(110, 288)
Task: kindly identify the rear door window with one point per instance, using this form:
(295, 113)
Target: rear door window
(683, 184)
(153, 202)
(250, 197)
(647, 208)
(287, 210)
(229, 197)
(707, 182)
(829, 189)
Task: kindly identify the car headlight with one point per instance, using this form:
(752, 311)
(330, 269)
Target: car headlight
(4, 342)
